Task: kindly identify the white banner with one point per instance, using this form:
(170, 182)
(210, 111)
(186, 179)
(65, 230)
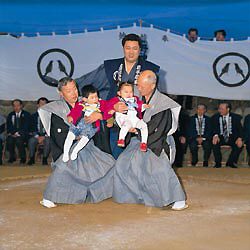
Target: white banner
(204, 68)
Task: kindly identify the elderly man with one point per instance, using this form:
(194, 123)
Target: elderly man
(90, 176)
(200, 133)
(127, 69)
(147, 177)
(227, 130)
(55, 124)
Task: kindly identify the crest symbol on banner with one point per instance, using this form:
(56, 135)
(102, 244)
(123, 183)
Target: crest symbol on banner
(54, 64)
(231, 69)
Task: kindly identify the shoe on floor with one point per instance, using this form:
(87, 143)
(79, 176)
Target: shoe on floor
(22, 161)
(179, 205)
(31, 161)
(11, 160)
(231, 165)
(205, 164)
(179, 209)
(47, 203)
(45, 161)
(217, 165)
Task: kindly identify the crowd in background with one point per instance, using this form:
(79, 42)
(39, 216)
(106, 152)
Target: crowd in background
(223, 128)
(23, 130)
(219, 35)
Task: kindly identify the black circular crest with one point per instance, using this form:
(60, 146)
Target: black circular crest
(237, 62)
(63, 61)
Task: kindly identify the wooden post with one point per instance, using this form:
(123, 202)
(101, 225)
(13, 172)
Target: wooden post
(140, 22)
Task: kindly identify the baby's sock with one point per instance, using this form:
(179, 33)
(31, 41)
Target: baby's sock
(81, 144)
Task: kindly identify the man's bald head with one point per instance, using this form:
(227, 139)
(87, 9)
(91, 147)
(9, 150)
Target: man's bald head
(146, 83)
(148, 76)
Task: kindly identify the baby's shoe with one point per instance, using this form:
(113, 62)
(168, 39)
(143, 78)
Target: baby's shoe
(143, 147)
(73, 155)
(65, 157)
(121, 143)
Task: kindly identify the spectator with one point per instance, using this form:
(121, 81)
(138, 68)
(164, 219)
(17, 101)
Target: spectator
(192, 35)
(180, 137)
(220, 35)
(2, 129)
(38, 135)
(247, 135)
(227, 130)
(17, 131)
(200, 133)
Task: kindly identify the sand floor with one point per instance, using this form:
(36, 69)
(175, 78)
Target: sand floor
(218, 217)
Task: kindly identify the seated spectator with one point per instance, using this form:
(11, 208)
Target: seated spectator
(2, 129)
(200, 133)
(220, 35)
(227, 130)
(180, 137)
(247, 135)
(18, 123)
(38, 135)
(192, 35)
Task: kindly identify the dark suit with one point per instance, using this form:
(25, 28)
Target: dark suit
(198, 129)
(236, 132)
(181, 131)
(36, 130)
(247, 134)
(21, 126)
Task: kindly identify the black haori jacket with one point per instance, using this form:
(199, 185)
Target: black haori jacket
(105, 80)
(112, 69)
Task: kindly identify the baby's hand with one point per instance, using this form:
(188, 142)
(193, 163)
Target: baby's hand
(133, 130)
(110, 125)
(70, 119)
(111, 112)
(146, 106)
